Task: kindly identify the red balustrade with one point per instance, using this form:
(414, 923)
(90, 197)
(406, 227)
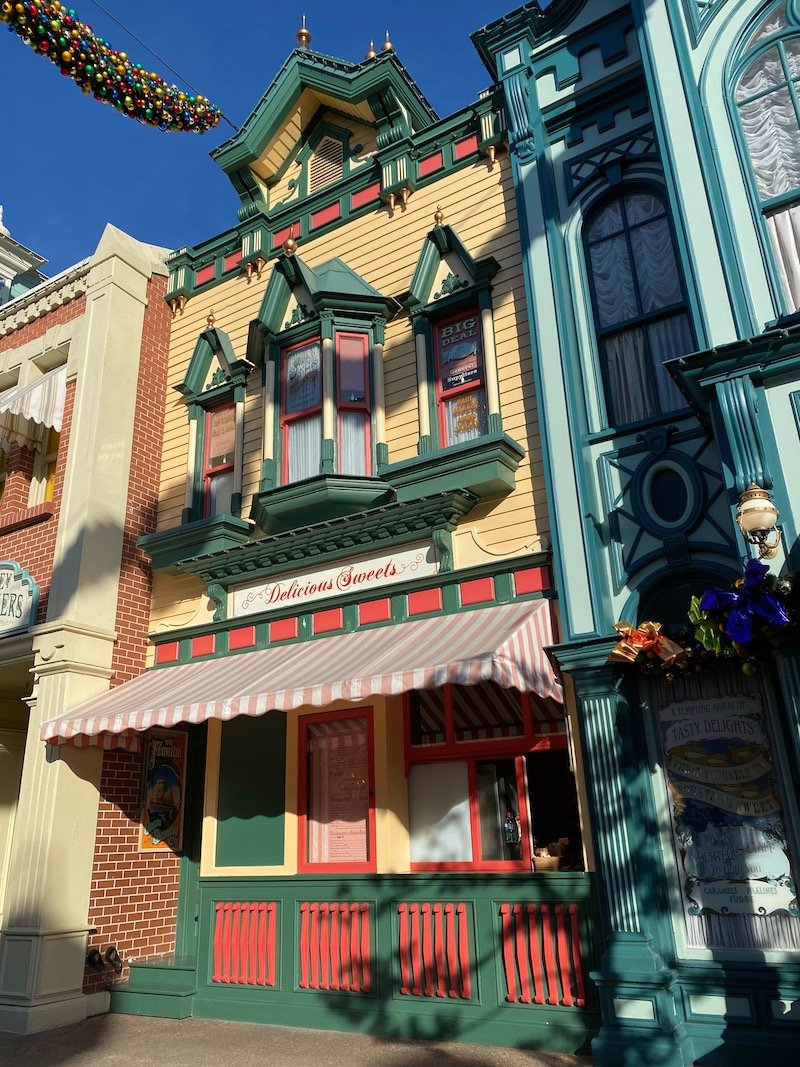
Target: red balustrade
(335, 947)
(434, 951)
(541, 947)
(244, 942)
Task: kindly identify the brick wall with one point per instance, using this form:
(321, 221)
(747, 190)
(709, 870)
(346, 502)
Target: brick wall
(134, 896)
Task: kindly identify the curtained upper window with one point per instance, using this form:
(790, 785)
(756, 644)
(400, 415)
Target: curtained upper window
(639, 305)
(767, 102)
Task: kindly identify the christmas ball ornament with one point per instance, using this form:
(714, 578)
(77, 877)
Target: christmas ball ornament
(54, 31)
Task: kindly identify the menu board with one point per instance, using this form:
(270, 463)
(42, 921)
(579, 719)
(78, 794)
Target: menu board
(728, 823)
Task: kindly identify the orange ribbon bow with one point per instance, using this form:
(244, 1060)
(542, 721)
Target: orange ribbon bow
(645, 638)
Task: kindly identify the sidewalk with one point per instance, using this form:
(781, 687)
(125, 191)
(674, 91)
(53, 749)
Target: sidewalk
(132, 1041)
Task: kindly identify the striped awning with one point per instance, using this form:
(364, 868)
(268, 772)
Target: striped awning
(41, 401)
(503, 644)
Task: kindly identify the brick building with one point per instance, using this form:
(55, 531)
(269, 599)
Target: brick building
(82, 370)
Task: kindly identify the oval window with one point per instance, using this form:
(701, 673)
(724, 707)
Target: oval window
(668, 495)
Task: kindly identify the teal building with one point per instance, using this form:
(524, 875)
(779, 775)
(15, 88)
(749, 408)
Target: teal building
(656, 164)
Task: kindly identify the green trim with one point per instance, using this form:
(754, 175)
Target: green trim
(170, 549)
(213, 345)
(388, 526)
(327, 496)
(485, 467)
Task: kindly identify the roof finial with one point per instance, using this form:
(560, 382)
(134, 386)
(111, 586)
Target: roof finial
(290, 245)
(438, 216)
(303, 36)
(387, 45)
(371, 53)
(210, 320)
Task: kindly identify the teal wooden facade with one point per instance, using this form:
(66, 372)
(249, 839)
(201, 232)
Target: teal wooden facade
(654, 150)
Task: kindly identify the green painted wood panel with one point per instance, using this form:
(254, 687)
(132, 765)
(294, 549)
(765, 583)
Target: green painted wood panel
(250, 808)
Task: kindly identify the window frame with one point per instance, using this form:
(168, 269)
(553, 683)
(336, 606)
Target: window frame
(472, 752)
(304, 865)
(363, 406)
(208, 473)
(45, 468)
(644, 319)
(287, 419)
(442, 396)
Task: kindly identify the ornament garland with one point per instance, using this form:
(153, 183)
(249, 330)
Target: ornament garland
(53, 30)
(727, 626)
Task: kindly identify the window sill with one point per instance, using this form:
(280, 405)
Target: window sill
(485, 467)
(19, 520)
(168, 548)
(319, 499)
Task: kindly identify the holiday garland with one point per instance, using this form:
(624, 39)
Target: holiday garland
(52, 30)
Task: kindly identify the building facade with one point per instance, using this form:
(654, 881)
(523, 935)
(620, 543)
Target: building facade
(653, 150)
(350, 734)
(82, 365)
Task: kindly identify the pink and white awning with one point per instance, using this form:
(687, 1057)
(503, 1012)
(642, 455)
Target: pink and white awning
(503, 644)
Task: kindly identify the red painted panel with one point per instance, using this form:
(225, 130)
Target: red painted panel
(405, 977)
(243, 637)
(549, 956)
(235, 973)
(416, 962)
(355, 961)
(431, 164)
(465, 147)
(563, 957)
(281, 235)
(365, 196)
(535, 951)
(326, 621)
(478, 591)
(263, 948)
(375, 611)
(463, 952)
(366, 972)
(326, 214)
(532, 580)
(452, 960)
(577, 963)
(167, 653)
(438, 934)
(424, 600)
(283, 630)
(521, 948)
(304, 946)
(232, 260)
(344, 943)
(205, 274)
(314, 915)
(427, 949)
(331, 947)
(203, 645)
(324, 940)
(226, 942)
(508, 955)
(217, 972)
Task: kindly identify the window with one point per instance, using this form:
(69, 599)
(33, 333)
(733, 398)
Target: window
(218, 459)
(639, 305)
(302, 406)
(767, 103)
(336, 802)
(326, 165)
(460, 378)
(489, 782)
(44, 471)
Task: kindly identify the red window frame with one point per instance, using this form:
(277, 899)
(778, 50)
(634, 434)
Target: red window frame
(444, 394)
(209, 472)
(363, 406)
(471, 753)
(304, 865)
(288, 418)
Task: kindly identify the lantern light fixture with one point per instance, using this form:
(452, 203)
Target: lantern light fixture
(757, 517)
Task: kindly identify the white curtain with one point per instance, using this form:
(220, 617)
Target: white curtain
(220, 488)
(668, 338)
(615, 294)
(353, 443)
(628, 377)
(784, 233)
(304, 442)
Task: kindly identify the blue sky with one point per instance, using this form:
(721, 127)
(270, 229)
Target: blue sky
(70, 164)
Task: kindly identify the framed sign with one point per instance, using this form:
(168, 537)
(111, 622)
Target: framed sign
(19, 599)
(163, 792)
(728, 823)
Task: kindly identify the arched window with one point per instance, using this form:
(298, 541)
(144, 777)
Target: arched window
(639, 305)
(769, 112)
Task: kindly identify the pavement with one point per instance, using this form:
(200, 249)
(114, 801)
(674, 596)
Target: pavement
(135, 1041)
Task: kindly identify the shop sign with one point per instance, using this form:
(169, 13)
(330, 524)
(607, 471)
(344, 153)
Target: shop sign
(728, 822)
(19, 599)
(163, 792)
(366, 574)
(460, 353)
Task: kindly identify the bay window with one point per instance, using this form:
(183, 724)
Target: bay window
(302, 411)
(353, 409)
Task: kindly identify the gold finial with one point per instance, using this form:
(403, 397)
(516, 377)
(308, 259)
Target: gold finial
(290, 245)
(210, 320)
(371, 53)
(438, 216)
(387, 45)
(303, 35)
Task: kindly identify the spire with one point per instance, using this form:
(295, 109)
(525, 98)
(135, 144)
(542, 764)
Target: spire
(303, 35)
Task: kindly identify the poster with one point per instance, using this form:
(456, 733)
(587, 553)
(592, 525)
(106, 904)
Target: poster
(460, 353)
(163, 792)
(338, 815)
(727, 817)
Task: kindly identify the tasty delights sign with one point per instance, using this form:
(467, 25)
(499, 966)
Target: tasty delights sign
(367, 574)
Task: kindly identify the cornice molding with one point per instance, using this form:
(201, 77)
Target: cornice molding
(45, 298)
